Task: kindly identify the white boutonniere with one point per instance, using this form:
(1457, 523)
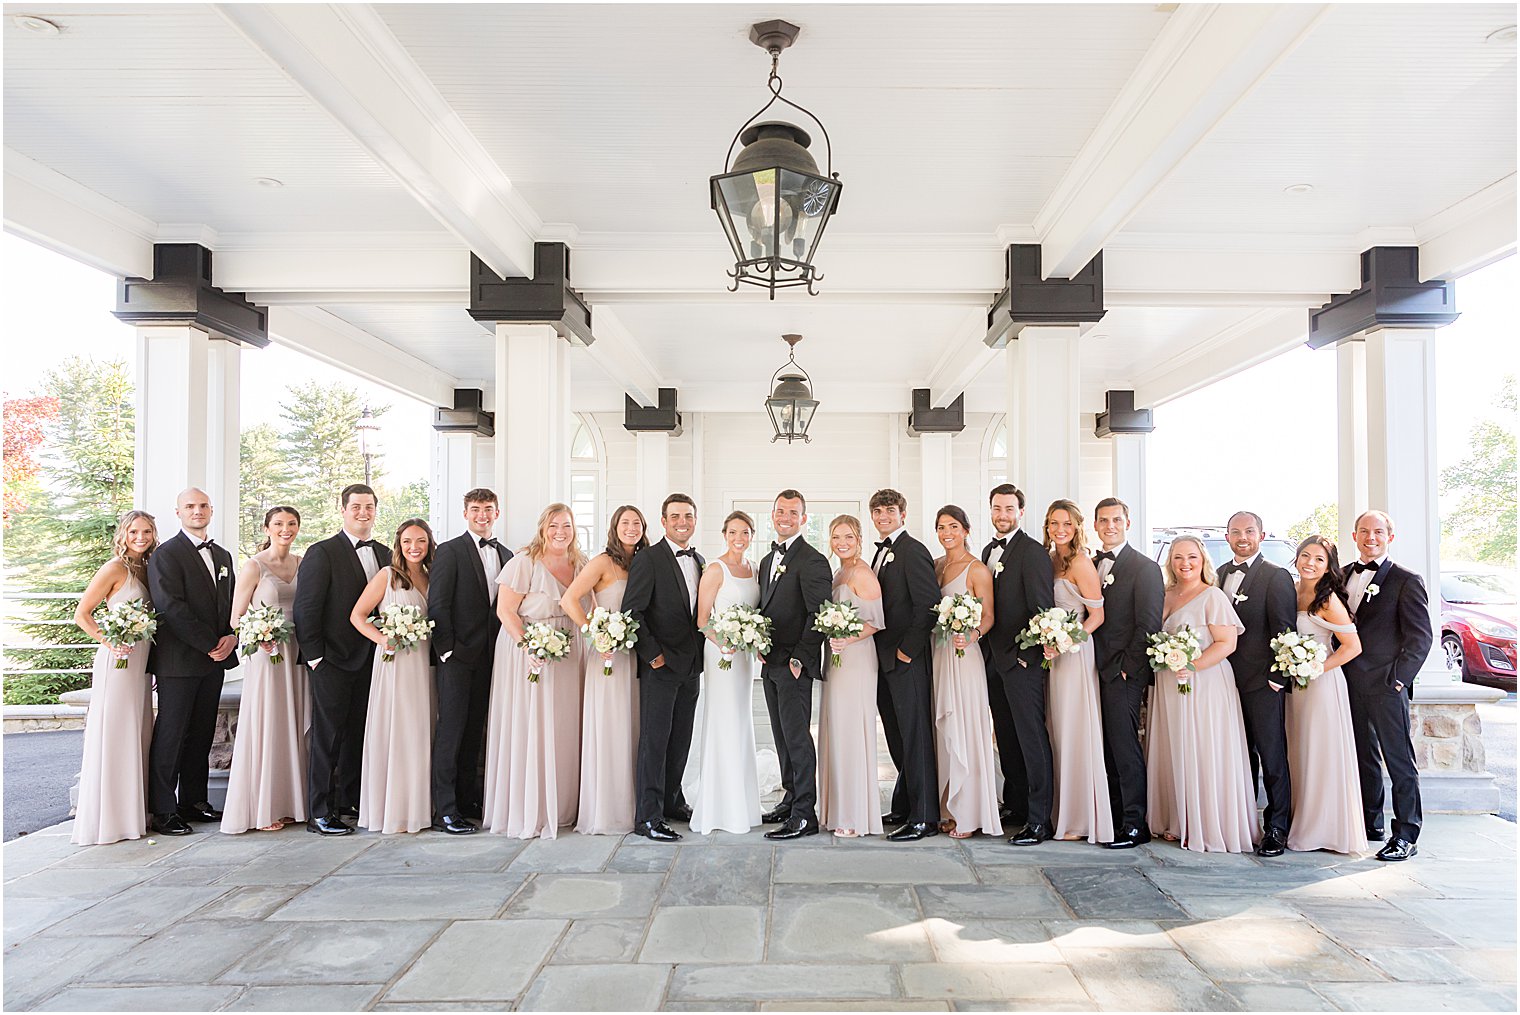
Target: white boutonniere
(889, 558)
(1372, 590)
(780, 570)
(1240, 598)
(1108, 580)
(997, 568)
(221, 574)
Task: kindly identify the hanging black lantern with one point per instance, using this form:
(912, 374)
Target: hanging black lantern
(791, 405)
(772, 200)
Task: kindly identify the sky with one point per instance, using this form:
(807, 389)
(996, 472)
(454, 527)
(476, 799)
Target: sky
(1263, 439)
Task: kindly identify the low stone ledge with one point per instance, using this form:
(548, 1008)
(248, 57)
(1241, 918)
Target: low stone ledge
(43, 718)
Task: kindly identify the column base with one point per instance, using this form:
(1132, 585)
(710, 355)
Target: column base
(1448, 747)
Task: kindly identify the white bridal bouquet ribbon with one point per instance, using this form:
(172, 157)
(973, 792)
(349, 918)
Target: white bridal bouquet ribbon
(1057, 628)
(1177, 654)
(608, 631)
(264, 625)
(404, 628)
(739, 628)
(1298, 656)
(126, 624)
(838, 620)
(958, 614)
(544, 643)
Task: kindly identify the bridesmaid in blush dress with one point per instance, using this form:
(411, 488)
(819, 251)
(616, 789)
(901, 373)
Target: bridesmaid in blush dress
(962, 716)
(610, 718)
(113, 778)
(849, 788)
(533, 731)
(1327, 798)
(267, 784)
(396, 786)
(1072, 711)
(1199, 788)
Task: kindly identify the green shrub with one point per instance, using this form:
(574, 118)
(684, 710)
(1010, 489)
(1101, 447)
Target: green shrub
(42, 688)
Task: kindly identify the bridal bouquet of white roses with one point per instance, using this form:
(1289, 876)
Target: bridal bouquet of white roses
(544, 643)
(404, 628)
(1060, 629)
(609, 630)
(264, 625)
(739, 628)
(125, 625)
(1299, 656)
(958, 614)
(1176, 653)
(838, 620)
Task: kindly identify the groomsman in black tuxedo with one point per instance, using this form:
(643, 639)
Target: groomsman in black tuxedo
(1267, 604)
(1133, 593)
(190, 579)
(333, 574)
(462, 605)
(662, 596)
(795, 579)
(1392, 614)
(1023, 584)
(904, 690)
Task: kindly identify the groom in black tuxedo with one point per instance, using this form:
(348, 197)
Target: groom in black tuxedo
(190, 580)
(1023, 584)
(462, 605)
(333, 574)
(904, 688)
(795, 580)
(1392, 614)
(662, 596)
(1133, 594)
(1267, 605)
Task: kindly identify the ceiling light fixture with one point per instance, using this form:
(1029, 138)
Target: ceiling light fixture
(1299, 188)
(771, 199)
(38, 26)
(791, 405)
(270, 182)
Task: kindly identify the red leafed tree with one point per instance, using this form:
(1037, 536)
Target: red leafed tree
(25, 422)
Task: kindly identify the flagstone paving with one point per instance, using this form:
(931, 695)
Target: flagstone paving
(283, 921)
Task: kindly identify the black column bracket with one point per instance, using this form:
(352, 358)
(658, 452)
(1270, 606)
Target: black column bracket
(1027, 299)
(467, 416)
(546, 298)
(181, 292)
(1119, 415)
(1391, 296)
(925, 418)
(661, 418)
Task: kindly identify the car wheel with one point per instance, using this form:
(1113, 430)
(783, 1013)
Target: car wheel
(1452, 644)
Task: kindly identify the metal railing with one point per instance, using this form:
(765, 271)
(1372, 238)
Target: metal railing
(11, 620)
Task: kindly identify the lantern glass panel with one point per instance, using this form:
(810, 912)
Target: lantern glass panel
(806, 202)
(749, 211)
(805, 410)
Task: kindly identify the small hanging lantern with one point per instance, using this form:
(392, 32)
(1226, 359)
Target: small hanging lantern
(772, 200)
(791, 405)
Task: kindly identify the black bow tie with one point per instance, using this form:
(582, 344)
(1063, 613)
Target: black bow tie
(884, 544)
(1104, 555)
(1363, 566)
(690, 551)
(371, 543)
(1232, 567)
(1003, 542)
(206, 545)
(489, 542)
(778, 547)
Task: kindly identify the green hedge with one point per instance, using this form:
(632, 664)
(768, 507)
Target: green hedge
(42, 688)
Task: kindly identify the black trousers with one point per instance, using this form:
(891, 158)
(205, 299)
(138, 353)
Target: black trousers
(790, 702)
(1120, 700)
(179, 757)
(459, 739)
(667, 712)
(1380, 726)
(339, 701)
(905, 699)
(1017, 700)
(1267, 745)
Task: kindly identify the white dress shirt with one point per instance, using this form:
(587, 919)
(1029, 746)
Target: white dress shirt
(776, 561)
(1105, 566)
(205, 554)
(688, 566)
(1357, 586)
(996, 556)
(366, 556)
(890, 537)
(491, 561)
(1235, 579)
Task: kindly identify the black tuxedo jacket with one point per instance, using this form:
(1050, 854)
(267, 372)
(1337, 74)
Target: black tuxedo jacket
(459, 600)
(1269, 608)
(1395, 629)
(909, 593)
(1132, 603)
(194, 609)
(1025, 585)
(792, 602)
(328, 585)
(657, 596)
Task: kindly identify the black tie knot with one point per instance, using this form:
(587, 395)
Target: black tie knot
(1002, 542)
(366, 542)
(778, 547)
(1232, 568)
(1364, 566)
(488, 541)
(884, 544)
(690, 551)
(1104, 555)
(206, 545)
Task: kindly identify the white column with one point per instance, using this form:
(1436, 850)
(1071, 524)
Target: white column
(1043, 417)
(1128, 451)
(1351, 436)
(652, 476)
(188, 424)
(935, 459)
(454, 457)
(532, 403)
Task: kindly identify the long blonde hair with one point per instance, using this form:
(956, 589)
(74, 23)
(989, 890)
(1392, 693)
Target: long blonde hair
(538, 544)
(1078, 536)
(1210, 576)
(137, 568)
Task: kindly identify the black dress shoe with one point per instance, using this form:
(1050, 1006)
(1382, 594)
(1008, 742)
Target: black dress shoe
(454, 825)
(680, 812)
(169, 824)
(201, 812)
(914, 831)
(330, 824)
(1272, 844)
(1376, 835)
(776, 817)
(1127, 838)
(659, 831)
(892, 819)
(1029, 835)
(1398, 849)
(795, 828)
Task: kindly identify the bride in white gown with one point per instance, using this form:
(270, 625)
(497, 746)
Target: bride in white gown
(727, 795)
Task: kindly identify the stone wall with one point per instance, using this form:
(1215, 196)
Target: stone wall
(1448, 737)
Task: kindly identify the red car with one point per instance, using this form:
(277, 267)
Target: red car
(1478, 614)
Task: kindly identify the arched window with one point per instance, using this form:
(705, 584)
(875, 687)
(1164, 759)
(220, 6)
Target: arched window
(586, 482)
(995, 453)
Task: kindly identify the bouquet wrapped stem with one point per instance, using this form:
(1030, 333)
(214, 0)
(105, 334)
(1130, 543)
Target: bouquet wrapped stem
(958, 614)
(838, 620)
(1300, 657)
(1054, 628)
(264, 625)
(404, 628)
(609, 631)
(739, 628)
(1176, 653)
(544, 643)
(126, 624)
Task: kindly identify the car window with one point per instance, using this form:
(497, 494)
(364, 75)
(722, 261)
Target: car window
(1479, 587)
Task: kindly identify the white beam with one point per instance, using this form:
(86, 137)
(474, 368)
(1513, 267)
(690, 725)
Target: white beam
(964, 358)
(345, 57)
(369, 267)
(618, 355)
(1206, 59)
(53, 211)
(1474, 232)
(319, 334)
(1255, 339)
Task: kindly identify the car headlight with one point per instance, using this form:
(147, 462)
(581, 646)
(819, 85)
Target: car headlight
(1493, 628)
